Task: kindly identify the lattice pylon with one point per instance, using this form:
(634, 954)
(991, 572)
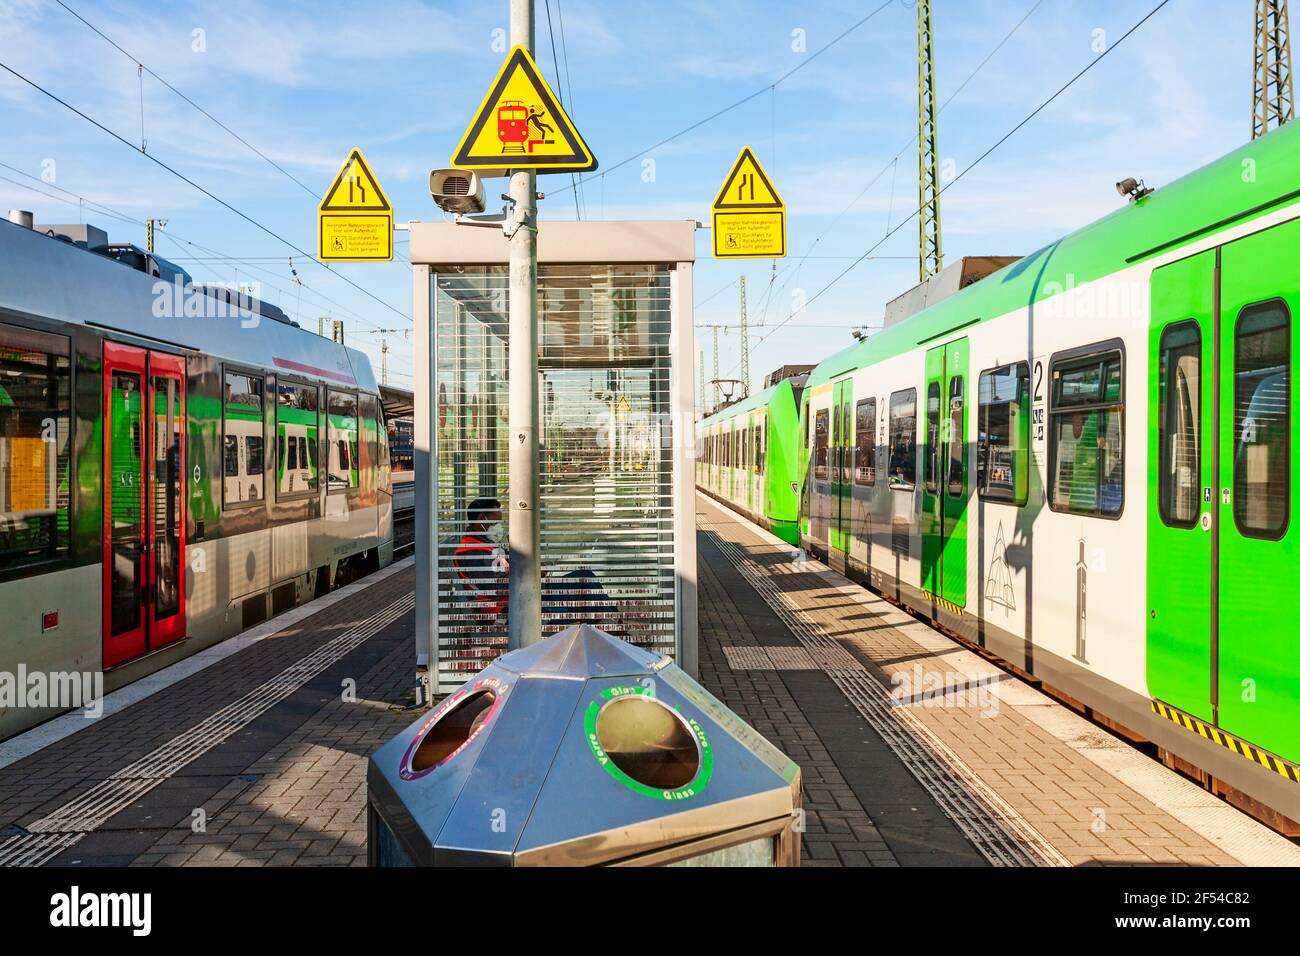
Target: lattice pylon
(717, 374)
(927, 133)
(1274, 93)
(744, 342)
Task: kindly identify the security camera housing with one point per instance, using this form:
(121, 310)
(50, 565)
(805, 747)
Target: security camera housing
(457, 191)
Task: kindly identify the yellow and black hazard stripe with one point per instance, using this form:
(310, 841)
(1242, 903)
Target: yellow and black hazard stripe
(944, 603)
(1238, 746)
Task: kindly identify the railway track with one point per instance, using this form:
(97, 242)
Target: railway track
(403, 533)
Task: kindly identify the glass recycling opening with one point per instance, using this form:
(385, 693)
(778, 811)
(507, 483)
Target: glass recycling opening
(648, 742)
(452, 730)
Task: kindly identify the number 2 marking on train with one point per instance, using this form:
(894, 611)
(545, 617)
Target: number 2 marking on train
(1040, 425)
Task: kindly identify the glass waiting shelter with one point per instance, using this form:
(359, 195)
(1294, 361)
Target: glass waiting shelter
(615, 392)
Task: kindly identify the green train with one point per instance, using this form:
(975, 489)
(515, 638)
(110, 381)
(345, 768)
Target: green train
(1082, 462)
(178, 463)
(747, 455)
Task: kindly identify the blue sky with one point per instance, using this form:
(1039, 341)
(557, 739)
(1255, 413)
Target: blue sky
(305, 82)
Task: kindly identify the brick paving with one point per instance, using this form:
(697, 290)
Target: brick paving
(159, 825)
(1084, 812)
(289, 787)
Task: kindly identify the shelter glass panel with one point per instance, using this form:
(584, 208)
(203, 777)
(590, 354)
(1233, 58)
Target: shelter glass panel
(606, 457)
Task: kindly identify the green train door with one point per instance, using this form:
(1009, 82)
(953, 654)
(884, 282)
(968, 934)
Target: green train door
(841, 469)
(733, 456)
(1234, 660)
(1180, 583)
(144, 504)
(946, 486)
(751, 462)
(745, 483)
(1258, 687)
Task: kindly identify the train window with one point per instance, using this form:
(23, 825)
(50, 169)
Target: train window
(902, 440)
(1002, 453)
(761, 455)
(341, 413)
(835, 442)
(933, 396)
(957, 436)
(297, 423)
(864, 469)
(1086, 446)
(821, 454)
(385, 452)
(242, 439)
(1261, 426)
(35, 409)
(1180, 425)
(846, 439)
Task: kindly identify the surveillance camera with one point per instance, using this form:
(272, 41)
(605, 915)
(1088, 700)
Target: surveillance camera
(457, 190)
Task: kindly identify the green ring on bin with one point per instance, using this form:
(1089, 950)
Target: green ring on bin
(701, 778)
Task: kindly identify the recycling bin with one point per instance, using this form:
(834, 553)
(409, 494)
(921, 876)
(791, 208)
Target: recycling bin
(582, 750)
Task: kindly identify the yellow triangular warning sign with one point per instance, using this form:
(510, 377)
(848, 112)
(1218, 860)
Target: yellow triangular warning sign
(747, 186)
(355, 189)
(521, 125)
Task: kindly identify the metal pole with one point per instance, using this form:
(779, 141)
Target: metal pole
(426, 486)
(525, 528)
(383, 361)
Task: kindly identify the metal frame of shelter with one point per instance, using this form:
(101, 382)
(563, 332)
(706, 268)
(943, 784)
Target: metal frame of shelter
(617, 457)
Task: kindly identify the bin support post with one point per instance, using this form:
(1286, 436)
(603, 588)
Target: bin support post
(525, 605)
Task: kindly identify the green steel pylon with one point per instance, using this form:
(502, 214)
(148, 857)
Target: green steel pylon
(1274, 94)
(931, 229)
(717, 375)
(744, 343)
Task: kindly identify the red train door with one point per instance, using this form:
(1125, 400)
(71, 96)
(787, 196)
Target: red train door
(144, 504)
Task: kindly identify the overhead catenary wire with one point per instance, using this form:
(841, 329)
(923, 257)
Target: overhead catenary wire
(181, 176)
(568, 107)
(568, 79)
(144, 69)
(988, 152)
(893, 161)
(736, 105)
(251, 262)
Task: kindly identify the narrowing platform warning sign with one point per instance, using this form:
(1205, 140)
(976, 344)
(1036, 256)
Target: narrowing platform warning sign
(355, 219)
(748, 213)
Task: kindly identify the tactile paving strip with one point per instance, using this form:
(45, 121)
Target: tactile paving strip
(993, 827)
(65, 826)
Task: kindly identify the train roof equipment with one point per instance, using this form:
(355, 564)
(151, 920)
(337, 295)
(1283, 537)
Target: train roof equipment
(1212, 198)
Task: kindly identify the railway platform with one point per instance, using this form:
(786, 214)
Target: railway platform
(915, 751)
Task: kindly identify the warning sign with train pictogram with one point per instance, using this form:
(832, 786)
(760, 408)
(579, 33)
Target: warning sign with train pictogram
(748, 213)
(521, 125)
(355, 219)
